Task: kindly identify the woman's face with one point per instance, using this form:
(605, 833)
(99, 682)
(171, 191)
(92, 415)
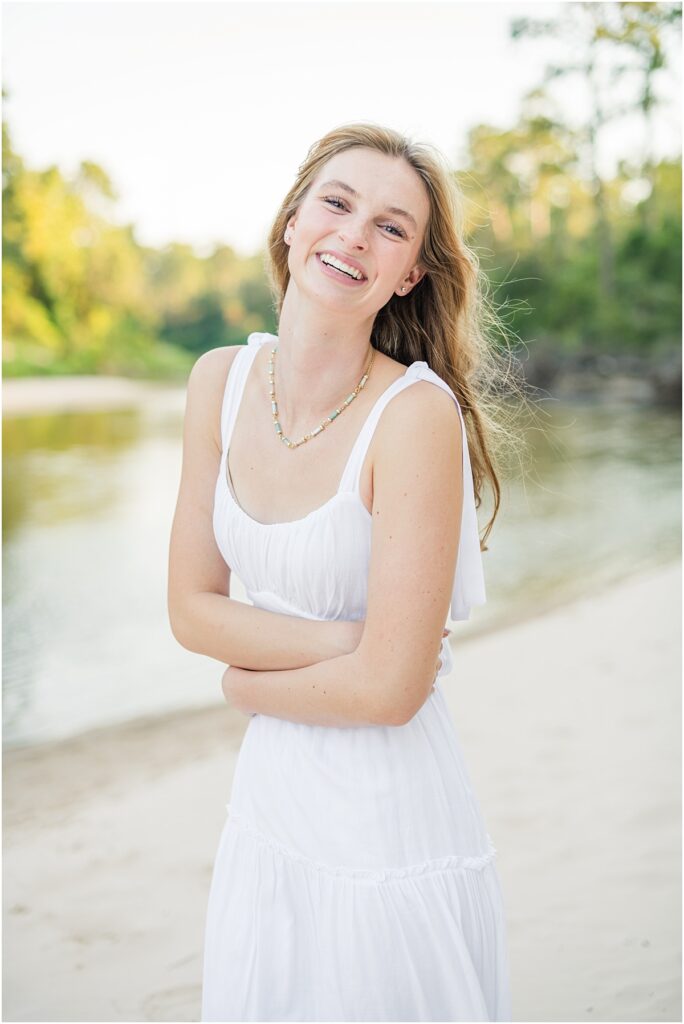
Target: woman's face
(364, 230)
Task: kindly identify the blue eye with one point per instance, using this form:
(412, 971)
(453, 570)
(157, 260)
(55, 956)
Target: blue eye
(334, 200)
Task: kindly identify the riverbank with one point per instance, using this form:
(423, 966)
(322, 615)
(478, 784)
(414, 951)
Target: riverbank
(649, 378)
(570, 723)
(628, 378)
(28, 396)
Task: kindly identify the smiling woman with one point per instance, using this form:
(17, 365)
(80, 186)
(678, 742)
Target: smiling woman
(355, 878)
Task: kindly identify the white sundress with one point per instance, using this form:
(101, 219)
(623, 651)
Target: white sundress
(354, 878)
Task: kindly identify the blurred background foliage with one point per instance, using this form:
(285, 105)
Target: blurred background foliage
(582, 267)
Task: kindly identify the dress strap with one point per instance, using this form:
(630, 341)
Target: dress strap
(235, 384)
(469, 586)
(352, 471)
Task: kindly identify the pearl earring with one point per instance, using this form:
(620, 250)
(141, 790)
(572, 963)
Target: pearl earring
(403, 289)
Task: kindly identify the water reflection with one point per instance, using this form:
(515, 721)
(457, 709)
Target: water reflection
(62, 466)
(601, 499)
(88, 503)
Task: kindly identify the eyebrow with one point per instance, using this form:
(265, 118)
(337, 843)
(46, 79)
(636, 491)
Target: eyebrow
(352, 192)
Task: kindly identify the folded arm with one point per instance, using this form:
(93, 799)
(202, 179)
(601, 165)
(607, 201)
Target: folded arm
(417, 505)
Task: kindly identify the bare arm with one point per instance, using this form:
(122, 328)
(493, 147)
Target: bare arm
(239, 634)
(203, 618)
(417, 504)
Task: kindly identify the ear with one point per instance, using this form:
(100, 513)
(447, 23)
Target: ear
(411, 280)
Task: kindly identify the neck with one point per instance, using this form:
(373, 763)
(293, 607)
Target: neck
(320, 360)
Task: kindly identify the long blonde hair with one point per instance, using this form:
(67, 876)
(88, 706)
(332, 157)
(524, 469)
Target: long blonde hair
(442, 321)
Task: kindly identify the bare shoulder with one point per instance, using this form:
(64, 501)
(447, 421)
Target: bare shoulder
(207, 383)
(213, 365)
(422, 397)
(422, 417)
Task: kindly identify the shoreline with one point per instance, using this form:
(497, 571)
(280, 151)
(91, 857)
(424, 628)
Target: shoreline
(199, 717)
(570, 727)
(32, 396)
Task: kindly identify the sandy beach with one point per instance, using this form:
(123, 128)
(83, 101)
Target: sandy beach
(27, 396)
(570, 723)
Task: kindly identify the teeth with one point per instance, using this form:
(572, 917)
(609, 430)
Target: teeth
(333, 261)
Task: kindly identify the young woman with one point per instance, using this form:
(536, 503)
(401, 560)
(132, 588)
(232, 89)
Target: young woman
(329, 467)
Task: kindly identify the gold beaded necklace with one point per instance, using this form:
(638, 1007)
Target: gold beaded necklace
(326, 422)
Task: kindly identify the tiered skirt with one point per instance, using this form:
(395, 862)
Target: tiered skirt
(381, 903)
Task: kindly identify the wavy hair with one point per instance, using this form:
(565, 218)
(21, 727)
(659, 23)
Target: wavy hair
(444, 319)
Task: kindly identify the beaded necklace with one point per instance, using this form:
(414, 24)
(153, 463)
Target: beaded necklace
(326, 422)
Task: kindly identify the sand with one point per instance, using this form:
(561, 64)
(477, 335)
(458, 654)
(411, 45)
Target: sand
(88, 392)
(570, 724)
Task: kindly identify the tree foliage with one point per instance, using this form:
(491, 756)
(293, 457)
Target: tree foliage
(581, 259)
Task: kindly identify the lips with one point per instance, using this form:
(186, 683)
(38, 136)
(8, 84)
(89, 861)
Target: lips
(343, 259)
(339, 275)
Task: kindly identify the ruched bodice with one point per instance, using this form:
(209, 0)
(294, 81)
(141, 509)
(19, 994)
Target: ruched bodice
(317, 566)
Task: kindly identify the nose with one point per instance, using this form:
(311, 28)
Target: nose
(353, 234)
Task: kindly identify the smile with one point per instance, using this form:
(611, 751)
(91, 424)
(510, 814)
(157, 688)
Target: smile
(341, 271)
